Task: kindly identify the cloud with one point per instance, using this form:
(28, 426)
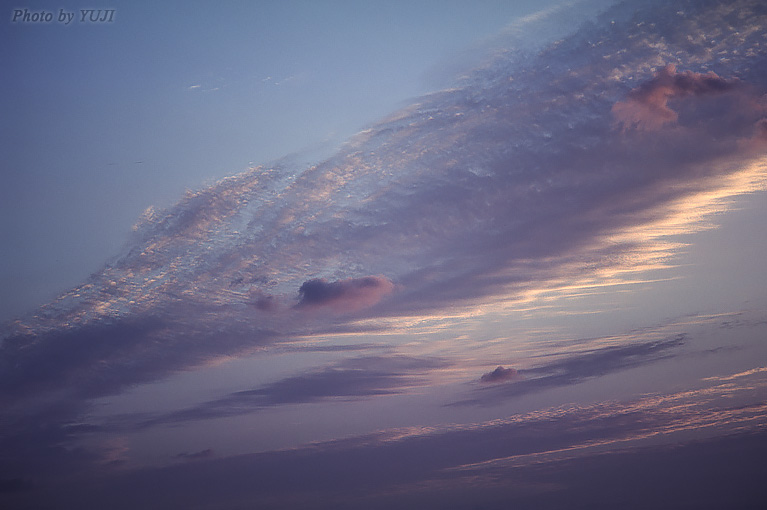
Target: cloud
(496, 189)
(514, 184)
(79, 359)
(569, 370)
(647, 105)
(347, 295)
(550, 458)
(202, 454)
(353, 379)
(500, 374)
(101, 358)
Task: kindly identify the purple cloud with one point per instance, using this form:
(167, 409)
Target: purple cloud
(552, 458)
(352, 379)
(570, 370)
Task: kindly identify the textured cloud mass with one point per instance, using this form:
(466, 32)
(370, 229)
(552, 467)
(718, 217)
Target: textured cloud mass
(545, 173)
(515, 183)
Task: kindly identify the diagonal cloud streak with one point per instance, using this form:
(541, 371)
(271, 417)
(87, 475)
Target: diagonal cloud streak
(354, 378)
(569, 370)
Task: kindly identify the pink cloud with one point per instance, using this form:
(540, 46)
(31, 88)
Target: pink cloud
(646, 107)
(343, 296)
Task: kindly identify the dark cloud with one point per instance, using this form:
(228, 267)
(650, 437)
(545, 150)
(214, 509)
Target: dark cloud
(344, 295)
(71, 365)
(86, 360)
(266, 303)
(500, 374)
(647, 105)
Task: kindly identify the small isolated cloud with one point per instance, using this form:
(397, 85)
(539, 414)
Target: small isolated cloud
(498, 375)
(194, 87)
(646, 107)
(344, 295)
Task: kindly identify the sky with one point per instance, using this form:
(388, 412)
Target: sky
(105, 120)
(410, 255)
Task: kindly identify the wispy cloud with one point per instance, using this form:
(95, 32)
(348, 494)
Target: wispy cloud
(548, 458)
(569, 370)
(202, 454)
(354, 378)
